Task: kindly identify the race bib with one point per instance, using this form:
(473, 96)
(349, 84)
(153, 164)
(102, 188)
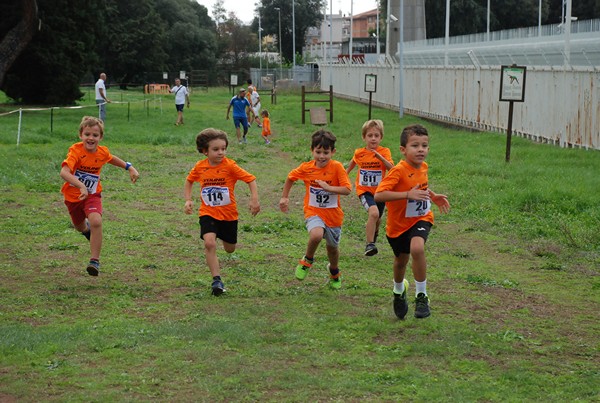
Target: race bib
(369, 177)
(417, 208)
(321, 198)
(89, 180)
(216, 196)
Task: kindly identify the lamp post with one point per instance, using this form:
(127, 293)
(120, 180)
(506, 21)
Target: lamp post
(259, 43)
(279, 40)
(378, 31)
(293, 39)
(401, 61)
(351, 28)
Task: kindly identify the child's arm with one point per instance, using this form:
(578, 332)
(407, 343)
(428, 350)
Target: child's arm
(65, 173)
(118, 162)
(340, 190)
(187, 194)
(228, 109)
(440, 200)
(413, 194)
(254, 204)
(351, 166)
(387, 164)
(285, 200)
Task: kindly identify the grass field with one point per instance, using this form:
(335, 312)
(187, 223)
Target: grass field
(513, 271)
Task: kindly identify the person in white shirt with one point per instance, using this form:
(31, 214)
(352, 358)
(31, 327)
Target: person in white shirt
(182, 97)
(101, 98)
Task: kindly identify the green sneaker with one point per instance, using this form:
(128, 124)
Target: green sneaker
(422, 306)
(400, 302)
(302, 269)
(335, 282)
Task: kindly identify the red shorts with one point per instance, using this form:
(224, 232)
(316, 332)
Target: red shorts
(81, 209)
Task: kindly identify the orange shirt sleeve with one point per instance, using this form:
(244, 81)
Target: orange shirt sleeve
(403, 178)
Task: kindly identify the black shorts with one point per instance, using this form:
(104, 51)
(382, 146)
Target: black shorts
(225, 230)
(179, 107)
(367, 200)
(401, 244)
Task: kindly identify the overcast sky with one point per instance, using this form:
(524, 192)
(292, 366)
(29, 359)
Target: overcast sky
(244, 9)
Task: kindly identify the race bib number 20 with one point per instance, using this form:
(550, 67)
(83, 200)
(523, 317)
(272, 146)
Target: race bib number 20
(417, 208)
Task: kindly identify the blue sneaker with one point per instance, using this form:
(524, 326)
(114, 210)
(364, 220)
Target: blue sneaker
(93, 268)
(218, 288)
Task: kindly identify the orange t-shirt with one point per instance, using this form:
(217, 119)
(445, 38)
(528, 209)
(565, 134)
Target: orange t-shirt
(217, 184)
(86, 166)
(370, 168)
(266, 126)
(318, 202)
(403, 214)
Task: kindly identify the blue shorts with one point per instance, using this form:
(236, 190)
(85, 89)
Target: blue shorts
(367, 200)
(401, 244)
(243, 121)
(225, 230)
(179, 107)
(332, 235)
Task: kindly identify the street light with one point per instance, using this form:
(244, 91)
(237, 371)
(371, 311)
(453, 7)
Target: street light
(293, 40)
(259, 44)
(279, 40)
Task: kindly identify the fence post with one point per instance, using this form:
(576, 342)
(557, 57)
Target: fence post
(331, 103)
(51, 119)
(128, 111)
(19, 129)
(303, 105)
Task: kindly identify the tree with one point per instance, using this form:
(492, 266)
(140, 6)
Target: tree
(49, 69)
(307, 14)
(17, 37)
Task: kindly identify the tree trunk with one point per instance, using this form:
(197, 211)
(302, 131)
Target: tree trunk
(17, 39)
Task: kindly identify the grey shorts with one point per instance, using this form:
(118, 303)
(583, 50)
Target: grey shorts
(331, 235)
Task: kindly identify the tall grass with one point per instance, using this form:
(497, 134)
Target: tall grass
(513, 271)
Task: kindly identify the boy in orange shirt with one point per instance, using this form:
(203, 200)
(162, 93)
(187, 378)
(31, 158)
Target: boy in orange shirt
(218, 212)
(408, 198)
(324, 180)
(82, 189)
(373, 162)
(266, 126)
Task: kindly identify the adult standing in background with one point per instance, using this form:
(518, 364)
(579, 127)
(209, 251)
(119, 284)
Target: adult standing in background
(182, 97)
(101, 98)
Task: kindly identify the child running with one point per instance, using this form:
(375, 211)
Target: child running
(218, 212)
(324, 179)
(266, 126)
(82, 189)
(408, 198)
(373, 162)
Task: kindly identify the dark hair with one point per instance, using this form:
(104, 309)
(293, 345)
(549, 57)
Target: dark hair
(415, 130)
(324, 139)
(208, 135)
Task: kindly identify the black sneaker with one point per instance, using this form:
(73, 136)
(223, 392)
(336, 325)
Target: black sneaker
(217, 288)
(371, 249)
(93, 268)
(400, 302)
(422, 306)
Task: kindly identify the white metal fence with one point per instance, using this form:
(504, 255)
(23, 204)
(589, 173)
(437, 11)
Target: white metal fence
(562, 92)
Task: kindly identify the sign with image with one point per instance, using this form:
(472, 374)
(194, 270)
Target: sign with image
(370, 83)
(512, 83)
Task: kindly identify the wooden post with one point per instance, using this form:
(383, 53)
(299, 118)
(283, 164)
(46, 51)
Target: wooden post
(331, 103)
(303, 105)
(509, 130)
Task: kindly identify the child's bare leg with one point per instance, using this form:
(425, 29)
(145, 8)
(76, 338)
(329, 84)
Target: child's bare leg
(314, 239)
(210, 252)
(400, 263)
(372, 223)
(333, 254)
(95, 221)
(229, 247)
(419, 263)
